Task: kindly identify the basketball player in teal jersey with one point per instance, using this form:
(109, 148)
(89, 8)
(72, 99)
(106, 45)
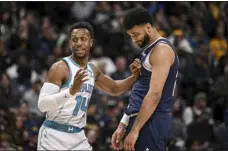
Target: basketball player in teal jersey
(66, 93)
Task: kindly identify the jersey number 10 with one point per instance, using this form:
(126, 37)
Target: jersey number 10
(81, 104)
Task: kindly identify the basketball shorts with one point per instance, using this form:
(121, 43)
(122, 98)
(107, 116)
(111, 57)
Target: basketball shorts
(54, 136)
(155, 134)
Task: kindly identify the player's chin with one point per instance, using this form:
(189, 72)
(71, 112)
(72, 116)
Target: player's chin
(80, 56)
(138, 44)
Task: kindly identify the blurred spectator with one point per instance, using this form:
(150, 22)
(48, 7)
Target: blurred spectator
(193, 113)
(121, 69)
(48, 37)
(17, 131)
(218, 44)
(93, 138)
(178, 124)
(179, 40)
(200, 132)
(5, 142)
(78, 10)
(221, 133)
(104, 63)
(32, 138)
(8, 94)
(198, 37)
(31, 97)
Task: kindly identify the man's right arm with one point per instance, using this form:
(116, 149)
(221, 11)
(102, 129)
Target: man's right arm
(50, 97)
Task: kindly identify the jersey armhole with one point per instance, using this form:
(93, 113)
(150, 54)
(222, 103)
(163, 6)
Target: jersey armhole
(66, 84)
(91, 68)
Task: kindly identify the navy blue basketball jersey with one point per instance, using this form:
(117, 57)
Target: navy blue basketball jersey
(141, 87)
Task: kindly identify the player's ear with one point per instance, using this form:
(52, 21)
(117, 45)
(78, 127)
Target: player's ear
(91, 42)
(148, 27)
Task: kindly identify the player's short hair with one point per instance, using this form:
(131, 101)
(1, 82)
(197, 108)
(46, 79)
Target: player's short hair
(82, 24)
(136, 16)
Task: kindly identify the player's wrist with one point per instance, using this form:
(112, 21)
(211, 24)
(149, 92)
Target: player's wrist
(69, 93)
(72, 90)
(125, 120)
(135, 129)
(134, 76)
(122, 126)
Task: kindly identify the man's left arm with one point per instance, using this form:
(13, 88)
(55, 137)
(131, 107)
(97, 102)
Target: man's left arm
(161, 59)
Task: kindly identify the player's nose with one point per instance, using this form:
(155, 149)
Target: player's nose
(134, 40)
(79, 43)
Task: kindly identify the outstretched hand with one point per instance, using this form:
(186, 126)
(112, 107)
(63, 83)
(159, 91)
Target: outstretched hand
(81, 76)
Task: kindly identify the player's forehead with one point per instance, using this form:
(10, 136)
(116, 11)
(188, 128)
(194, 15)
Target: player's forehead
(136, 29)
(80, 32)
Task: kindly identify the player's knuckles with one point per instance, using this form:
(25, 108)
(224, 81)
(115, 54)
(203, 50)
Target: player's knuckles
(137, 60)
(81, 73)
(137, 64)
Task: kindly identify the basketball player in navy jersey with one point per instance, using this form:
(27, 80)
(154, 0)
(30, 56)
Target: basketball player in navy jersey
(147, 116)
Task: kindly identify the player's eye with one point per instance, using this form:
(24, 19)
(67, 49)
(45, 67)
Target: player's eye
(74, 39)
(136, 34)
(84, 38)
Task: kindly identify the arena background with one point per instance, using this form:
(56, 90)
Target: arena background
(34, 35)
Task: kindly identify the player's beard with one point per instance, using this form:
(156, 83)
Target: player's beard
(145, 40)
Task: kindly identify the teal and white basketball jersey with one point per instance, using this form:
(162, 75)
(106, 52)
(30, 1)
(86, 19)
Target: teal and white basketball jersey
(74, 112)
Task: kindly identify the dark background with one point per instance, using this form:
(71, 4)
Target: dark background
(34, 36)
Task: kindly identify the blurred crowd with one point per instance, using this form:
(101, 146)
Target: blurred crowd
(34, 36)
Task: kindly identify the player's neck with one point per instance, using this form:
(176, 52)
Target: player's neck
(82, 62)
(154, 36)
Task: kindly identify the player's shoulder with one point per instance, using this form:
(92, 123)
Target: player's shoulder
(163, 48)
(58, 70)
(59, 66)
(162, 51)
